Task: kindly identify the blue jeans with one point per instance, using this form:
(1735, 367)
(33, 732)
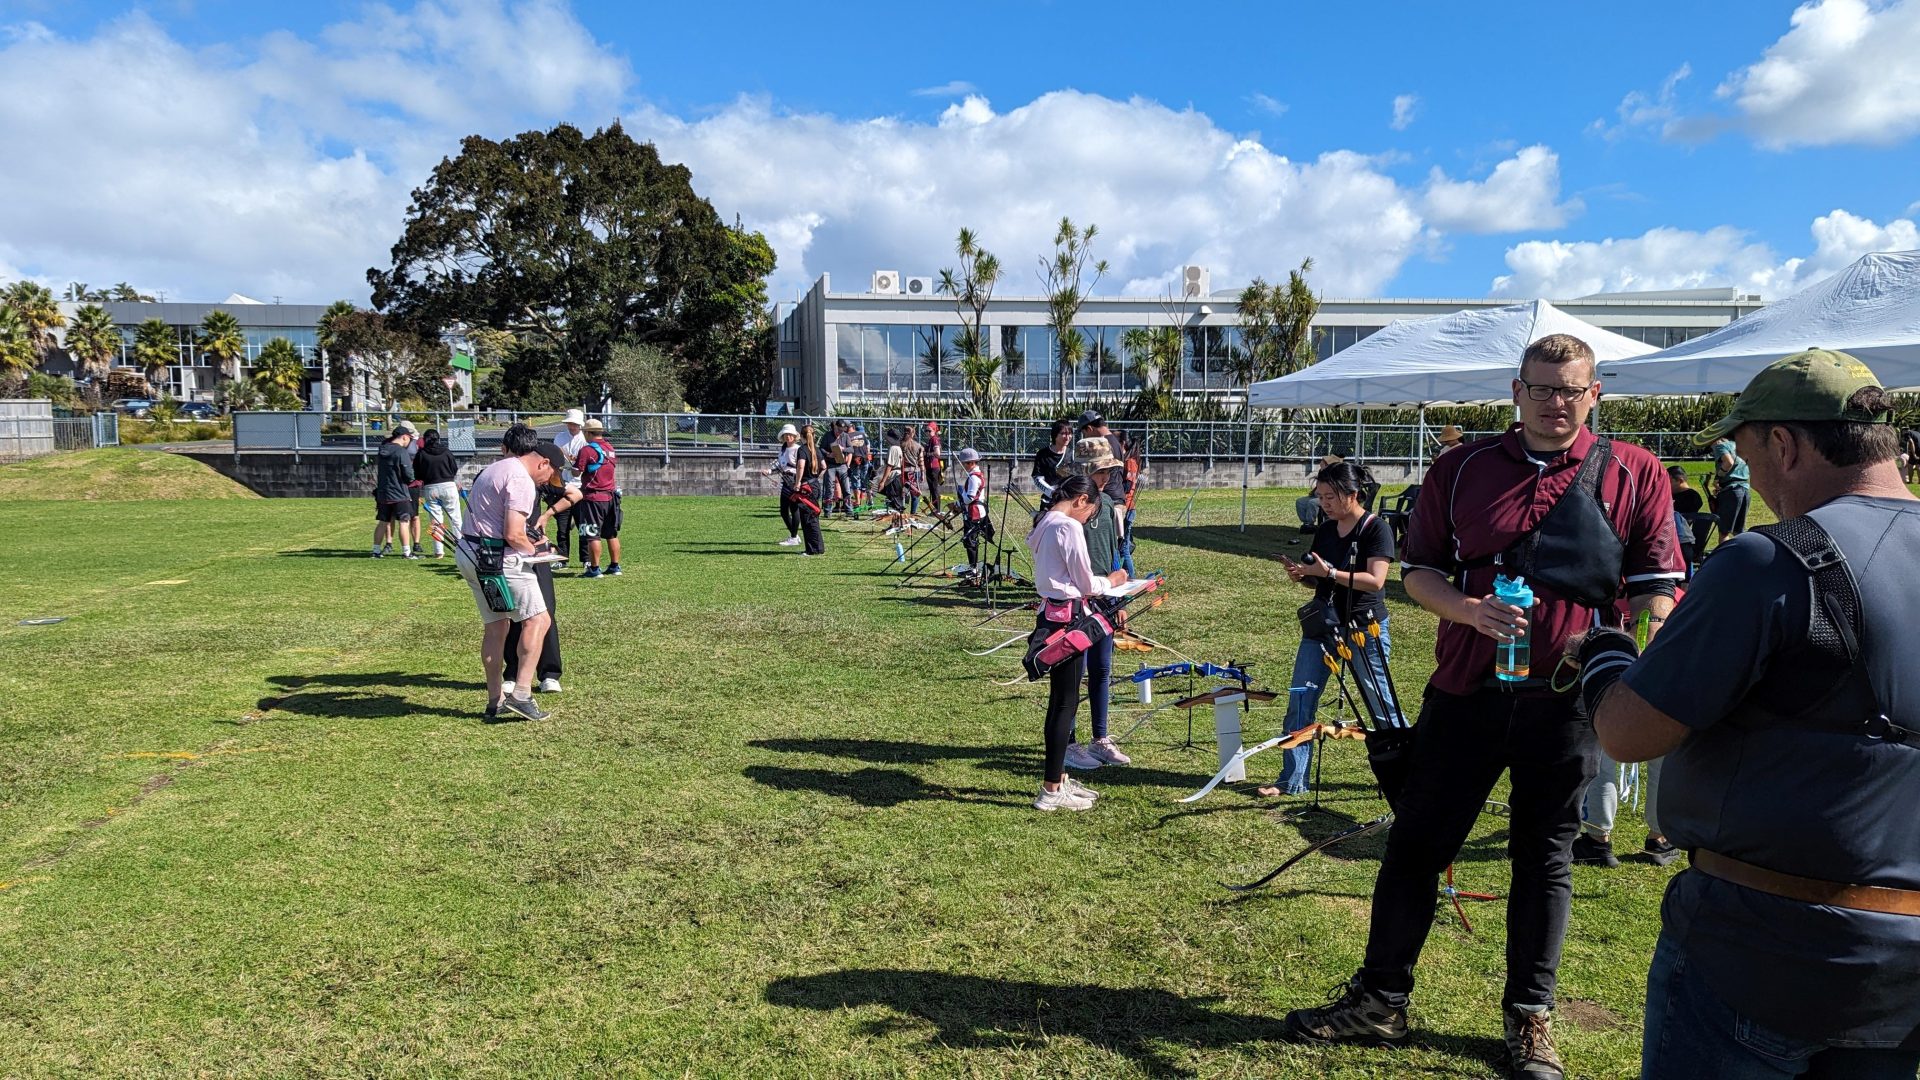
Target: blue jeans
(1099, 678)
(1310, 678)
(1126, 546)
(1691, 1033)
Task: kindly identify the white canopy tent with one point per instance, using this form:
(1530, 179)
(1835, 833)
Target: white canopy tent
(1871, 310)
(1469, 356)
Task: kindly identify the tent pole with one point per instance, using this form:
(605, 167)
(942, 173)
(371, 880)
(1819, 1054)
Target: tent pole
(1419, 447)
(1246, 472)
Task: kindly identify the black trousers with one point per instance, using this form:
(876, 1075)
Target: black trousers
(563, 532)
(810, 528)
(1461, 746)
(549, 664)
(1063, 700)
(789, 512)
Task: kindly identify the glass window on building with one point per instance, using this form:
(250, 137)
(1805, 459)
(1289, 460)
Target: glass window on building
(847, 356)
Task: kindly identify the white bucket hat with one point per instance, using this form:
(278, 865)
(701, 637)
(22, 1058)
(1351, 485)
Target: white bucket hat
(789, 429)
(575, 416)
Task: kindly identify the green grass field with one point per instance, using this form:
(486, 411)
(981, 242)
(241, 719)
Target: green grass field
(251, 825)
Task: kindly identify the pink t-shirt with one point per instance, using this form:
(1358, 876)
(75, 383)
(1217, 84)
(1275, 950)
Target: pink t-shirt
(502, 488)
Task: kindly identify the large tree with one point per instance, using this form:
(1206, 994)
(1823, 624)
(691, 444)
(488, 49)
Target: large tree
(221, 339)
(1276, 327)
(334, 357)
(16, 344)
(279, 365)
(574, 242)
(972, 290)
(39, 312)
(154, 349)
(93, 340)
(400, 363)
(1062, 276)
(727, 356)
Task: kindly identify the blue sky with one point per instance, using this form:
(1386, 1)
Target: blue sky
(1532, 149)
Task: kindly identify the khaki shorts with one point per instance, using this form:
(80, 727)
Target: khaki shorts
(527, 601)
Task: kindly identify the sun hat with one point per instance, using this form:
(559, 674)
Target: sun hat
(407, 427)
(968, 454)
(594, 425)
(1092, 454)
(1810, 386)
(1451, 434)
(789, 429)
(1331, 459)
(575, 416)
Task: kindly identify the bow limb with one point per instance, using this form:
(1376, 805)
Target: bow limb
(1021, 636)
(1361, 829)
(1244, 753)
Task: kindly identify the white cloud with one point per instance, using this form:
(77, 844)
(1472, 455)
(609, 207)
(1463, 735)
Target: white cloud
(956, 88)
(1844, 73)
(1268, 104)
(281, 171)
(1520, 194)
(1165, 186)
(1667, 258)
(1404, 108)
(1640, 109)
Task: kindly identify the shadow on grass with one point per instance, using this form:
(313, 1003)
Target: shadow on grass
(353, 695)
(770, 548)
(1022, 762)
(363, 554)
(871, 787)
(972, 1011)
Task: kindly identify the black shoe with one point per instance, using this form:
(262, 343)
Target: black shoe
(523, 707)
(1352, 1014)
(1587, 851)
(1531, 1054)
(1659, 852)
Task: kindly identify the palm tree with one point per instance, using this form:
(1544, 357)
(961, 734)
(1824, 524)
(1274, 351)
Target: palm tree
(279, 366)
(329, 337)
(154, 349)
(126, 294)
(1155, 355)
(16, 344)
(93, 340)
(35, 305)
(220, 337)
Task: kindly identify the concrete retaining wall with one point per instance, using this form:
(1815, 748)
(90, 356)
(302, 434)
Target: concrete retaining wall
(327, 474)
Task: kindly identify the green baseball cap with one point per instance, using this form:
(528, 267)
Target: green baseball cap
(1808, 386)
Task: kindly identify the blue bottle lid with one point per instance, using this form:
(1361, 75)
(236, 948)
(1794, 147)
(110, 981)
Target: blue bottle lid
(1512, 590)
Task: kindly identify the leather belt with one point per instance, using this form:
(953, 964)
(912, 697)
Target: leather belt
(1806, 890)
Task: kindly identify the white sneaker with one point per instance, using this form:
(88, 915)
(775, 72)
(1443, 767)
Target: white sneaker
(1079, 759)
(1063, 798)
(1108, 752)
(791, 541)
(1079, 788)
(549, 686)
(506, 687)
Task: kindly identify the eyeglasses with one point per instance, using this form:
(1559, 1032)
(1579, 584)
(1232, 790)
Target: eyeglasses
(1547, 393)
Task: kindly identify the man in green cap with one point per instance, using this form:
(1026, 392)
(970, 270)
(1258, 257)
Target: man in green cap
(1781, 695)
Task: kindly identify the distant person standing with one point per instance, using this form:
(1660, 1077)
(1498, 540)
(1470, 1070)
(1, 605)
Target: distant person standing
(838, 486)
(810, 471)
(913, 465)
(490, 557)
(936, 469)
(392, 496)
(437, 470)
(414, 489)
(1909, 456)
(1449, 437)
(890, 484)
(859, 463)
(598, 512)
(1122, 483)
(1730, 490)
(571, 440)
(784, 468)
(1051, 461)
(975, 523)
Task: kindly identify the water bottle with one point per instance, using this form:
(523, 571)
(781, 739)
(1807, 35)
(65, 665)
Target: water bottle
(1513, 658)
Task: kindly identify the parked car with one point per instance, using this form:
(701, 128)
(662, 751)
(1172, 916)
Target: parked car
(134, 406)
(196, 410)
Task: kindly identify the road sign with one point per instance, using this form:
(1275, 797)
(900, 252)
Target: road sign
(450, 381)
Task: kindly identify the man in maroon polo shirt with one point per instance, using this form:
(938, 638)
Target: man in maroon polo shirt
(1478, 501)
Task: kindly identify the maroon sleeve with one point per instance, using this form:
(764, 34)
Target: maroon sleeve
(1429, 533)
(1653, 547)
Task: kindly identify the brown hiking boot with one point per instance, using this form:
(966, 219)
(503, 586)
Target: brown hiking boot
(1352, 1014)
(1530, 1051)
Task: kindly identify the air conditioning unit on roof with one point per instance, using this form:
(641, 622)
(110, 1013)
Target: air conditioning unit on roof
(1195, 283)
(919, 286)
(886, 281)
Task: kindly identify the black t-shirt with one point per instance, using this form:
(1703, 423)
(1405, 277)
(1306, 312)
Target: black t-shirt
(1046, 466)
(1688, 501)
(1910, 441)
(1375, 541)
